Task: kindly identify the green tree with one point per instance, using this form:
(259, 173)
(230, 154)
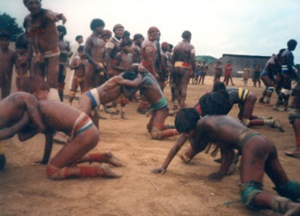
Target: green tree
(9, 23)
(209, 59)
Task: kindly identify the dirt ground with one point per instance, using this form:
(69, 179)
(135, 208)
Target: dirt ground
(182, 190)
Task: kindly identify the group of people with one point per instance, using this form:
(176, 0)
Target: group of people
(110, 68)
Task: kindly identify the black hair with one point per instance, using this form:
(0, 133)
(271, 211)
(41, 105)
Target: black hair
(129, 75)
(62, 29)
(78, 37)
(186, 119)
(186, 34)
(21, 42)
(171, 46)
(5, 34)
(125, 42)
(126, 34)
(137, 36)
(96, 23)
(218, 86)
(33, 83)
(215, 103)
(292, 44)
(80, 48)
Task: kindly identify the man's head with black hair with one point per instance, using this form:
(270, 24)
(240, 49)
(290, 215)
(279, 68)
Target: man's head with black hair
(97, 23)
(129, 75)
(292, 44)
(215, 103)
(186, 120)
(218, 86)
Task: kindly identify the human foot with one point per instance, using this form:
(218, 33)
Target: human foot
(295, 153)
(105, 171)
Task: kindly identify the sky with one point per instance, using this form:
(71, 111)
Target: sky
(245, 27)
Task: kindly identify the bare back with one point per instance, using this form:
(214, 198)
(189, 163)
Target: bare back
(150, 88)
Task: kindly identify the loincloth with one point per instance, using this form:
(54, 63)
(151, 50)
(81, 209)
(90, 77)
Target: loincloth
(244, 136)
(293, 113)
(243, 94)
(94, 96)
(82, 124)
(182, 64)
(51, 53)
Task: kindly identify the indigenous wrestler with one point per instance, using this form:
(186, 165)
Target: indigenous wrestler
(112, 47)
(15, 111)
(228, 73)
(258, 155)
(74, 48)
(246, 100)
(294, 101)
(21, 70)
(256, 75)
(136, 47)
(269, 76)
(65, 54)
(8, 59)
(184, 64)
(123, 61)
(84, 136)
(78, 64)
(149, 55)
(107, 92)
(43, 43)
(288, 72)
(214, 103)
(246, 75)
(94, 51)
(218, 71)
(204, 70)
(158, 109)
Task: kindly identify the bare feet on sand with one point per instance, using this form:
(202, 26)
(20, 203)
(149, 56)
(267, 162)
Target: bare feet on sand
(105, 171)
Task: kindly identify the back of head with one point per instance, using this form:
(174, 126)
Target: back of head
(186, 34)
(129, 75)
(292, 44)
(21, 42)
(34, 83)
(62, 29)
(186, 120)
(218, 86)
(96, 23)
(107, 33)
(215, 103)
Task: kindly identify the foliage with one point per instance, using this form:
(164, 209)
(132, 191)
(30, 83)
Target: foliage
(209, 59)
(9, 23)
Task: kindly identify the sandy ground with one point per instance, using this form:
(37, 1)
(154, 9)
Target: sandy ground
(183, 190)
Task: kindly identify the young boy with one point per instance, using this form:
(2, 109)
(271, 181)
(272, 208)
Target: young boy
(78, 64)
(109, 91)
(122, 62)
(65, 54)
(259, 155)
(8, 59)
(21, 70)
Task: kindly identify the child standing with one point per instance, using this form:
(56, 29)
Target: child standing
(8, 59)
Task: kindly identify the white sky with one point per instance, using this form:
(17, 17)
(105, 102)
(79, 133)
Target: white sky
(251, 27)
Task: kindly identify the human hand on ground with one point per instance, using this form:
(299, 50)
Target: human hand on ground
(159, 170)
